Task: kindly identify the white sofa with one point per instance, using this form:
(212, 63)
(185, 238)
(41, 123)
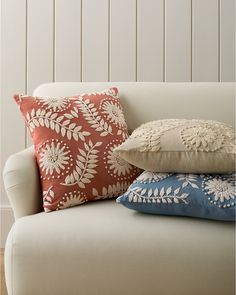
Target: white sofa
(102, 248)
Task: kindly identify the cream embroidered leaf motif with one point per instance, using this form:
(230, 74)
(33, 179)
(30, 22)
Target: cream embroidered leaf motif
(149, 177)
(59, 123)
(113, 112)
(110, 92)
(123, 133)
(48, 198)
(92, 116)
(70, 200)
(56, 104)
(188, 179)
(164, 196)
(117, 165)
(149, 134)
(111, 191)
(86, 163)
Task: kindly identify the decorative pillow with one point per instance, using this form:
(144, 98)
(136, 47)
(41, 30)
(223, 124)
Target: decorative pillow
(179, 145)
(197, 195)
(74, 138)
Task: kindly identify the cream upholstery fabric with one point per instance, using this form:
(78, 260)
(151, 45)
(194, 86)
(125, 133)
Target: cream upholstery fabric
(22, 183)
(102, 248)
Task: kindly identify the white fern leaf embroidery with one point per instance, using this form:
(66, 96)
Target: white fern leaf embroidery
(188, 179)
(71, 199)
(55, 122)
(90, 115)
(168, 191)
(111, 191)
(194, 185)
(48, 197)
(84, 172)
(176, 191)
(163, 196)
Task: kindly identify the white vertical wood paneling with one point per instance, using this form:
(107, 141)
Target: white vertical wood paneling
(40, 43)
(150, 40)
(178, 40)
(227, 40)
(68, 40)
(95, 40)
(205, 40)
(123, 40)
(13, 74)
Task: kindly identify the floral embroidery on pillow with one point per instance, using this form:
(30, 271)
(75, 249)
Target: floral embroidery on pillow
(220, 190)
(198, 195)
(202, 137)
(74, 138)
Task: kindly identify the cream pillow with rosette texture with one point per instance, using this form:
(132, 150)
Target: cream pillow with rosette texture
(74, 138)
(181, 146)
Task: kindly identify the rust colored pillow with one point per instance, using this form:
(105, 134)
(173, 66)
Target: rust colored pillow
(74, 138)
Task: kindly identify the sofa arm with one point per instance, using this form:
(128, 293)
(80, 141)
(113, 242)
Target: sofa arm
(22, 183)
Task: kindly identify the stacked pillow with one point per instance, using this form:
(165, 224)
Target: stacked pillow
(74, 138)
(189, 168)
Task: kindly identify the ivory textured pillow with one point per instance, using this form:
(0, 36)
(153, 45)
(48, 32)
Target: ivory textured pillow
(74, 138)
(179, 145)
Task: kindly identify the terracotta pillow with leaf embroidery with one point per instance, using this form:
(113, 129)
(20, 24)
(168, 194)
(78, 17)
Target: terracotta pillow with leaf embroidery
(74, 138)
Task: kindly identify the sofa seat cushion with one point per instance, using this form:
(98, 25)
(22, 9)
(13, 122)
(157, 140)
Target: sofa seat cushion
(103, 248)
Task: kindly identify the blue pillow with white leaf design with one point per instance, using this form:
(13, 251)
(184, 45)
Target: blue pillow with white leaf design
(197, 195)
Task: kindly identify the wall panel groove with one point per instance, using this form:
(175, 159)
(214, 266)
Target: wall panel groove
(227, 44)
(109, 41)
(26, 62)
(191, 41)
(136, 40)
(81, 38)
(219, 39)
(164, 40)
(54, 41)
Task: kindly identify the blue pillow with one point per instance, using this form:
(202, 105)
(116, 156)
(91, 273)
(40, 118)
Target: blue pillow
(197, 195)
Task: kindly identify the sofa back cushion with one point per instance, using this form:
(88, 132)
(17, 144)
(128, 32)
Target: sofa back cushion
(148, 101)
